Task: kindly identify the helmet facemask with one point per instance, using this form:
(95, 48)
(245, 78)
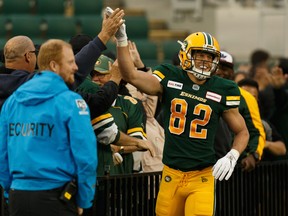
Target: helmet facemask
(204, 68)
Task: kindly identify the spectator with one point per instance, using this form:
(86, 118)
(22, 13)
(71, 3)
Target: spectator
(280, 116)
(43, 152)
(128, 114)
(154, 131)
(192, 101)
(274, 145)
(248, 108)
(239, 75)
(260, 72)
(259, 57)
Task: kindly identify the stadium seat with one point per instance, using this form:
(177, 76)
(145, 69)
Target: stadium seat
(50, 7)
(92, 7)
(2, 43)
(170, 48)
(90, 24)
(137, 27)
(28, 25)
(3, 32)
(148, 51)
(17, 6)
(59, 26)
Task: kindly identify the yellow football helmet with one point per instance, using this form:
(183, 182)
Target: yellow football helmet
(199, 41)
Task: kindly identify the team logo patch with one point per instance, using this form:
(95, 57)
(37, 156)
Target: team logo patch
(213, 96)
(195, 87)
(176, 85)
(204, 179)
(81, 104)
(168, 178)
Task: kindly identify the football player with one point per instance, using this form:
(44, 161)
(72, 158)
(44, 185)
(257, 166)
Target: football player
(192, 102)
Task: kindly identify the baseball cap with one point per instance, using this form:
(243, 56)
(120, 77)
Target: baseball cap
(102, 64)
(226, 59)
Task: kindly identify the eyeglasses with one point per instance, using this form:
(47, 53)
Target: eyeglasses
(97, 74)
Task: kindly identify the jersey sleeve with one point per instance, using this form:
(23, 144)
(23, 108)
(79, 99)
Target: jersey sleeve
(250, 111)
(231, 95)
(105, 129)
(136, 118)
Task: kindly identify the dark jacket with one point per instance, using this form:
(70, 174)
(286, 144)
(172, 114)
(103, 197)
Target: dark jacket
(11, 79)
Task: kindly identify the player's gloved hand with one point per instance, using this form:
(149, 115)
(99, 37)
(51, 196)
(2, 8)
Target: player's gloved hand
(117, 158)
(120, 35)
(225, 165)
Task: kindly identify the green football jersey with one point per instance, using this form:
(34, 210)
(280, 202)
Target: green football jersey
(128, 114)
(191, 115)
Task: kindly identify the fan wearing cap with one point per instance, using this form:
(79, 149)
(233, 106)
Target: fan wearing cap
(249, 109)
(101, 73)
(128, 114)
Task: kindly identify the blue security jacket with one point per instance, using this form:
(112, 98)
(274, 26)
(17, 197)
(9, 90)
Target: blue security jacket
(46, 139)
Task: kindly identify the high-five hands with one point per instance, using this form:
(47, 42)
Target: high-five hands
(225, 165)
(120, 35)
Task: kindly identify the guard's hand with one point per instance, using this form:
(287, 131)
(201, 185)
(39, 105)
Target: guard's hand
(80, 211)
(225, 165)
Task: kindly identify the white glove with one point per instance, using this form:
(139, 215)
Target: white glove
(117, 158)
(225, 165)
(120, 35)
(109, 11)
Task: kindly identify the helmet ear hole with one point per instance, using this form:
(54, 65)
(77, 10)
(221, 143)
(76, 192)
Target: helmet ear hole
(187, 64)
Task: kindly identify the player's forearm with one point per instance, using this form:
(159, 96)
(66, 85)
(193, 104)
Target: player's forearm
(126, 140)
(241, 140)
(125, 63)
(125, 149)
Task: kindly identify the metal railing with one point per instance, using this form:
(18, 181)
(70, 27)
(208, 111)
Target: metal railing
(262, 192)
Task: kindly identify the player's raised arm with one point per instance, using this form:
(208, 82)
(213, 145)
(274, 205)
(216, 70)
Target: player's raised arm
(143, 81)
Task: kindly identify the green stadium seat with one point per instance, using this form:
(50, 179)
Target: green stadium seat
(59, 26)
(2, 43)
(28, 25)
(90, 24)
(170, 48)
(3, 32)
(85, 7)
(148, 51)
(18, 6)
(137, 27)
(50, 7)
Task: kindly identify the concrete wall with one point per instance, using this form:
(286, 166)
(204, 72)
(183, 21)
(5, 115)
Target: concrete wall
(239, 30)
